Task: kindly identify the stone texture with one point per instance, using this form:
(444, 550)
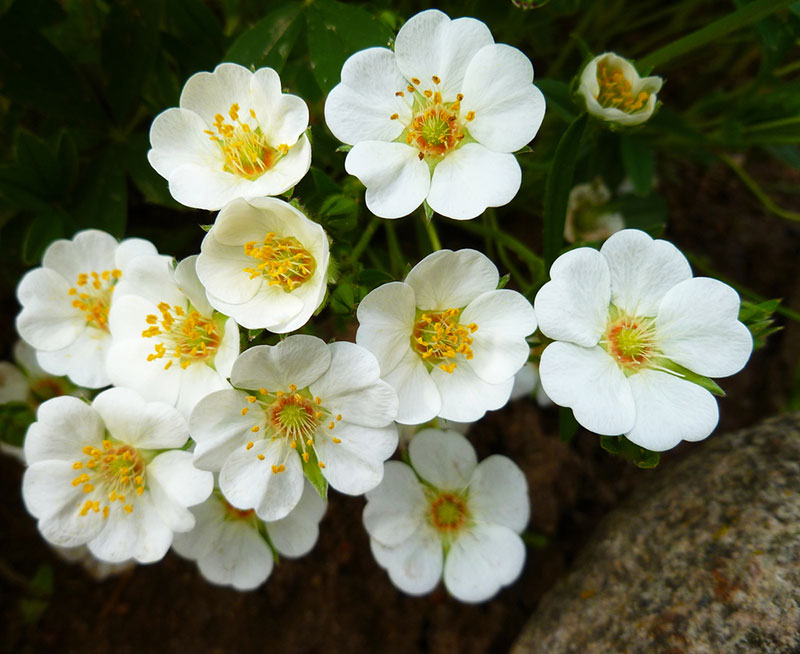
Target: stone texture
(702, 559)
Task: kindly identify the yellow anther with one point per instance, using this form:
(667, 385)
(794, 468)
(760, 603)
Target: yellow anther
(139, 490)
(251, 398)
(292, 388)
(254, 428)
(105, 511)
(88, 488)
(410, 89)
(337, 440)
(415, 81)
(436, 79)
(249, 445)
(260, 457)
(399, 94)
(263, 391)
(331, 425)
(427, 93)
(244, 411)
(112, 496)
(128, 508)
(121, 498)
(339, 416)
(305, 457)
(77, 465)
(318, 400)
(321, 464)
(394, 117)
(470, 116)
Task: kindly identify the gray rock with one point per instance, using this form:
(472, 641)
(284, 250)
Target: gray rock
(704, 558)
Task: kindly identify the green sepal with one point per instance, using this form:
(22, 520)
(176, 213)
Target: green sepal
(206, 228)
(684, 373)
(503, 281)
(313, 473)
(621, 446)
(759, 318)
(344, 148)
(428, 211)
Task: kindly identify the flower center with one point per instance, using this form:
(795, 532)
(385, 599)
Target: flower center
(296, 417)
(232, 513)
(631, 341)
(447, 512)
(616, 91)
(439, 338)
(92, 295)
(246, 150)
(186, 338)
(117, 472)
(282, 262)
(436, 127)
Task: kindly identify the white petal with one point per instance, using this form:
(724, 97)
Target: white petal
(218, 427)
(504, 318)
(128, 366)
(228, 350)
(204, 187)
(272, 308)
(444, 459)
(298, 360)
(396, 508)
(208, 94)
(188, 284)
(283, 492)
(498, 87)
(148, 425)
(142, 535)
(498, 493)
(64, 426)
(220, 268)
(178, 138)
(418, 398)
(447, 279)
(48, 321)
(573, 306)
(240, 558)
(397, 180)
(84, 360)
(472, 178)
(386, 320)
(289, 170)
(431, 44)
(642, 270)
(184, 483)
(90, 250)
(481, 561)
(209, 522)
(152, 278)
(697, 327)
(588, 380)
(465, 396)
(670, 409)
(360, 108)
(131, 248)
(283, 117)
(414, 566)
(352, 387)
(197, 381)
(244, 477)
(296, 534)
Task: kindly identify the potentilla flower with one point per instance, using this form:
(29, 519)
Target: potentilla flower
(303, 405)
(65, 303)
(634, 331)
(588, 216)
(613, 90)
(235, 135)
(168, 342)
(229, 544)
(437, 119)
(449, 516)
(447, 339)
(98, 475)
(264, 264)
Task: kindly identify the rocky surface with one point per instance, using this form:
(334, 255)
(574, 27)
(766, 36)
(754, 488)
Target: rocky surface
(703, 559)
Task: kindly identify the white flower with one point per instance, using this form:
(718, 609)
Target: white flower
(587, 217)
(526, 382)
(613, 90)
(168, 343)
(65, 303)
(229, 544)
(306, 405)
(437, 119)
(631, 325)
(447, 340)
(98, 475)
(264, 264)
(449, 515)
(235, 135)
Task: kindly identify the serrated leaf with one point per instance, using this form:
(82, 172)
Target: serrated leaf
(270, 40)
(313, 473)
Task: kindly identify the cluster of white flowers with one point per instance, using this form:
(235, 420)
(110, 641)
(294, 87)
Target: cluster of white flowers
(226, 455)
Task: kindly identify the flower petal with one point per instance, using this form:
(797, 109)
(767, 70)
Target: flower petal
(642, 270)
(472, 178)
(670, 409)
(218, 427)
(48, 321)
(386, 320)
(498, 88)
(90, 250)
(588, 380)
(240, 558)
(64, 426)
(188, 284)
(414, 566)
(178, 138)
(444, 459)
(498, 493)
(697, 327)
(297, 533)
(418, 397)
(197, 381)
(84, 360)
(298, 360)
(208, 94)
(283, 117)
(447, 279)
(396, 507)
(573, 305)
(183, 483)
(465, 396)
(481, 561)
(397, 180)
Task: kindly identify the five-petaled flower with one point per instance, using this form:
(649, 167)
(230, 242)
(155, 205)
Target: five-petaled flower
(449, 516)
(438, 119)
(235, 135)
(636, 337)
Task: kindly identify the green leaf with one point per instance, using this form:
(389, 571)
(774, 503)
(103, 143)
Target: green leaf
(567, 425)
(622, 447)
(47, 226)
(103, 202)
(684, 373)
(198, 33)
(343, 299)
(336, 31)
(558, 186)
(313, 473)
(270, 40)
(15, 418)
(372, 277)
(639, 164)
(759, 318)
(558, 97)
(153, 187)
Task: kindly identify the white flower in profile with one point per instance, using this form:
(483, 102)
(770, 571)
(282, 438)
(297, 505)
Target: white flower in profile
(614, 92)
(305, 406)
(168, 342)
(447, 339)
(633, 332)
(437, 119)
(265, 264)
(229, 544)
(449, 516)
(588, 217)
(107, 475)
(65, 303)
(235, 135)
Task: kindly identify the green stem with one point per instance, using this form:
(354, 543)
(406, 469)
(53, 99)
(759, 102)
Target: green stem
(772, 124)
(432, 235)
(748, 14)
(396, 257)
(769, 204)
(359, 248)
